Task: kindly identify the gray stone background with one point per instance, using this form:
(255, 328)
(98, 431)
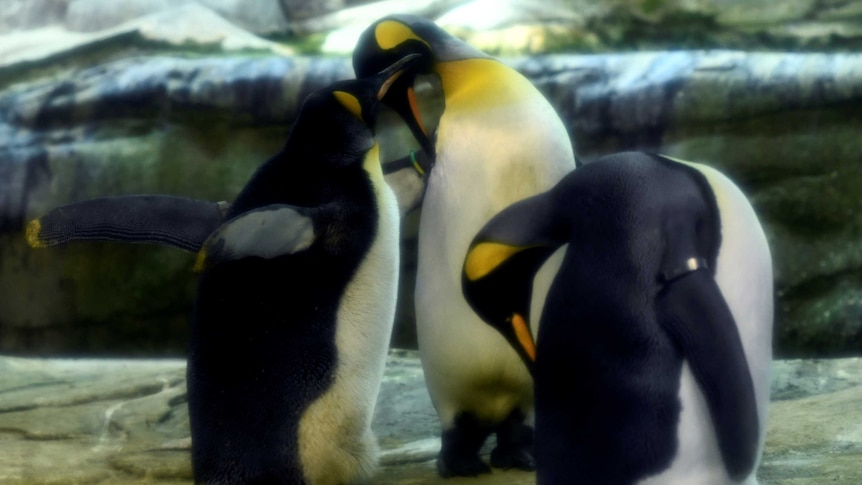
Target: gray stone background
(187, 97)
(104, 97)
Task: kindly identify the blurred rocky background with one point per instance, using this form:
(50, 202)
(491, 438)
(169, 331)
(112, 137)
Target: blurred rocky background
(105, 97)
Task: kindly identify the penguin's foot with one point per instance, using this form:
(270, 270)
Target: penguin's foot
(459, 455)
(513, 457)
(461, 466)
(514, 444)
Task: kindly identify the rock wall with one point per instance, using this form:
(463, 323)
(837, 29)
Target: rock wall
(501, 26)
(153, 105)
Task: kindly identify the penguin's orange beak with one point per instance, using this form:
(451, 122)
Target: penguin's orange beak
(414, 109)
(523, 335)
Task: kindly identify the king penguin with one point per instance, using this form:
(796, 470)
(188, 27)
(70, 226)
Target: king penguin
(498, 140)
(296, 296)
(295, 305)
(652, 361)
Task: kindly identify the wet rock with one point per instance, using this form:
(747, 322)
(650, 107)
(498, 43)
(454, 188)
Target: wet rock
(260, 17)
(510, 27)
(801, 378)
(816, 439)
(782, 125)
(126, 422)
(19, 15)
(775, 124)
(520, 27)
(188, 25)
(121, 129)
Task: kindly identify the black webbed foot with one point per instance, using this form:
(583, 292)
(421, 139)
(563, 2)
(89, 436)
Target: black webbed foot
(459, 456)
(514, 444)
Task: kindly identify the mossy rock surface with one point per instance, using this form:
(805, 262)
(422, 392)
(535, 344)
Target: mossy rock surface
(783, 126)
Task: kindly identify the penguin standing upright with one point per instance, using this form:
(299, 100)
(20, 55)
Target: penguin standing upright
(653, 354)
(498, 140)
(295, 305)
(296, 298)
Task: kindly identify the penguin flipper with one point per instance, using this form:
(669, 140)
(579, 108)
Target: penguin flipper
(692, 310)
(267, 232)
(165, 220)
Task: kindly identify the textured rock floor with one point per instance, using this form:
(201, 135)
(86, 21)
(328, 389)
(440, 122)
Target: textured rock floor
(125, 422)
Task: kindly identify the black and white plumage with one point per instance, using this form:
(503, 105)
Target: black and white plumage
(653, 354)
(295, 305)
(498, 141)
(296, 297)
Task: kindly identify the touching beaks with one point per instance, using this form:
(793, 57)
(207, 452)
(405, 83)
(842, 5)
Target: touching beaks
(405, 103)
(414, 110)
(393, 72)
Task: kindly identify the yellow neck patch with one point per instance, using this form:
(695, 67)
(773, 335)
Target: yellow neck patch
(371, 164)
(478, 84)
(350, 102)
(390, 34)
(486, 256)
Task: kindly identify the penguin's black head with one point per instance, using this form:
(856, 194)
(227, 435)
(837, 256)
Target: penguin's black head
(396, 36)
(497, 281)
(340, 118)
(501, 263)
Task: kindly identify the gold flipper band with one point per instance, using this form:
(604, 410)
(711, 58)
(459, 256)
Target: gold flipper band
(691, 264)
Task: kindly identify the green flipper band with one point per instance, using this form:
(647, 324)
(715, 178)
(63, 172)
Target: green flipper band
(416, 163)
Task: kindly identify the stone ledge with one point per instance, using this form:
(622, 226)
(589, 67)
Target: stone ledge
(66, 421)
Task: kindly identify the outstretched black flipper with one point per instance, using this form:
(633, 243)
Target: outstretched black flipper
(693, 311)
(165, 220)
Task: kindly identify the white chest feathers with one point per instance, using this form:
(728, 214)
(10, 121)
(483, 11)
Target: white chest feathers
(336, 445)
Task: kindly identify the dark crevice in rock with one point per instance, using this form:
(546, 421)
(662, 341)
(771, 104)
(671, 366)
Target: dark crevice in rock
(15, 409)
(817, 286)
(139, 391)
(158, 464)
(178, 400)
(621, 29)
(25, 169)
(35, 385)
(38, 436)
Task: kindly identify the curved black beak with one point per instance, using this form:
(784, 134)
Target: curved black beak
(389, 76)
(401, 97)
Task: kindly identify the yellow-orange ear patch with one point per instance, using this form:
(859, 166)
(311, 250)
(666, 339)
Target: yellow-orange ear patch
(350, 102)
(486, 256)
(390, 34)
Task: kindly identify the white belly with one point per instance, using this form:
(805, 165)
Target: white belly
(481, 168)
(335, 438)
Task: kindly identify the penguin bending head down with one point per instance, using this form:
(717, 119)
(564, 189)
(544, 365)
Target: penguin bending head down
(653, 354)
(295, 305)
(498, 140)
